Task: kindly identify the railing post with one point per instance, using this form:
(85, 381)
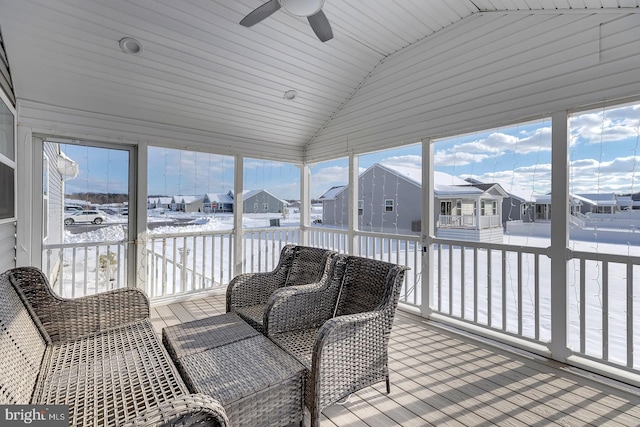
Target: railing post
(305, 204)
(238, 175)
(559, 235)
(352, 244)
(428, 228)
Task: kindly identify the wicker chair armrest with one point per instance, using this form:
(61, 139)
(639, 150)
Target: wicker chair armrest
(298, 307)
(361, 337)
(189, 410)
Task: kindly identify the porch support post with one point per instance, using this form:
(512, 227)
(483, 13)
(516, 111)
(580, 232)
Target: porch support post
(352, 206)
(428, 229)
(29, 249)
(238, 208)
(140, 176)
(559, 235)
(305, 203)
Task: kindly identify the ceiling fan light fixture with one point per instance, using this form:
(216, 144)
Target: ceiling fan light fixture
(302, 8)
(130, 46)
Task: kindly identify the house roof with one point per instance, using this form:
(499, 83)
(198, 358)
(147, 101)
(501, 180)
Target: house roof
(331, 193)
(246, 194)
(395, 71)
(220, 198)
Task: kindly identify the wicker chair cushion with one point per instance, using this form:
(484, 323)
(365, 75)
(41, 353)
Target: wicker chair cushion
(21, 346)
(116, 371)
(357, 294)
(307, 267)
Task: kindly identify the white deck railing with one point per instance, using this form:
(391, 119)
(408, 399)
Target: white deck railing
(183, 263)
(504, 289)
(469, 221)
(79, 269)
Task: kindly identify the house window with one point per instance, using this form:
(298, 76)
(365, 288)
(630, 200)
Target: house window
(360, 207)
(255, 207)
(482, 208)
(7, 160)
(523, 211)
(494, 207)
(388, 205)
(265, 207)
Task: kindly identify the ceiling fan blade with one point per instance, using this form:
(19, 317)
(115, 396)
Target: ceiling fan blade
(260, 13)
(321, 26)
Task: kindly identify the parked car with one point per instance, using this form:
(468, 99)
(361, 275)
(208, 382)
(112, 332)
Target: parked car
(93, 216)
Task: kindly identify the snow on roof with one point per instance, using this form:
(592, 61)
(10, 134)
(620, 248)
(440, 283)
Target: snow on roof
(163, 200)
(598, 199)
(443, 183)
(331, 193)
(188, 199)
(220, 198)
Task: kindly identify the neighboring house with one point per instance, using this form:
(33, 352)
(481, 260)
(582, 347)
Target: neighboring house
(261, 201)
(390, 201)
(219, 202)
(57, 168)
(598, 203)
(329, 212)
(189, 203)
(159, 202)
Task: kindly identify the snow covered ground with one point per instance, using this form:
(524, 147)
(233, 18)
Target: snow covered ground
(450, 295)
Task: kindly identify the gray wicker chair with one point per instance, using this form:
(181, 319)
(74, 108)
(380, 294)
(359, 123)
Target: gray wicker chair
(339, 327)
(248, 294)
(99, 355)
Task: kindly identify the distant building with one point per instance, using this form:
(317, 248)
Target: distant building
(390, 200)
(261, 201)
(189, 203)
(219, 202)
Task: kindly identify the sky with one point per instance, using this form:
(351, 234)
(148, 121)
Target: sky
(604, 158)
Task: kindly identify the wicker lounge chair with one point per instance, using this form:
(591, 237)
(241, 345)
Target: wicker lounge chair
(338, 328)
(248, 294)
(99, 355)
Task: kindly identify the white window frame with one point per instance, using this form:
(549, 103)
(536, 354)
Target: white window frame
(388, 205)
(360, 207)
(265, 207)
(11, 163)
(45, 196)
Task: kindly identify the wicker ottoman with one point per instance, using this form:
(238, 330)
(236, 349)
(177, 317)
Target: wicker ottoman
(257, 382)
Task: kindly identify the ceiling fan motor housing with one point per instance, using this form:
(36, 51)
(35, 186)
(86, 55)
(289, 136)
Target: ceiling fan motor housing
(302, 8)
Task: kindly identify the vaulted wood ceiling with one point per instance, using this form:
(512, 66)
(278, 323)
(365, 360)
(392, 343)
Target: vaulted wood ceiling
(200, 70)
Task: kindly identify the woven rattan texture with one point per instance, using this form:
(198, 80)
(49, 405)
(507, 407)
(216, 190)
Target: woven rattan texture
(257, 383)
(91, 314)
(21, 347)
(248, 294)
(349, 351)
(114, 374)
(203, 334)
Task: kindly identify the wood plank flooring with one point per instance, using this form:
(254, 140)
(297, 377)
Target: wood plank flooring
(442, 378)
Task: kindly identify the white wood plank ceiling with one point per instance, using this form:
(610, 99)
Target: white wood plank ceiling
(200, 70)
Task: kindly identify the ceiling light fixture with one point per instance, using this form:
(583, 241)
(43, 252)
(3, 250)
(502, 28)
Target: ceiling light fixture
(290, 94)
(302, 8)
(130, 46)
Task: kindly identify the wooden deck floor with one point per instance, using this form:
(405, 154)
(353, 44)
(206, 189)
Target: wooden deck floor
(441, 378)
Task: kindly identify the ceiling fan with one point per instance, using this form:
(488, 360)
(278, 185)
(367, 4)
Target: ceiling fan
(310, 9)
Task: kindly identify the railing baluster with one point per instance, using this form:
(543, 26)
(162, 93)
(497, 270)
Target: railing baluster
(630, 329)
(605, 310)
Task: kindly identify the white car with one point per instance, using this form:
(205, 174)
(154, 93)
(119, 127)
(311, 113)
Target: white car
(93, 216)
